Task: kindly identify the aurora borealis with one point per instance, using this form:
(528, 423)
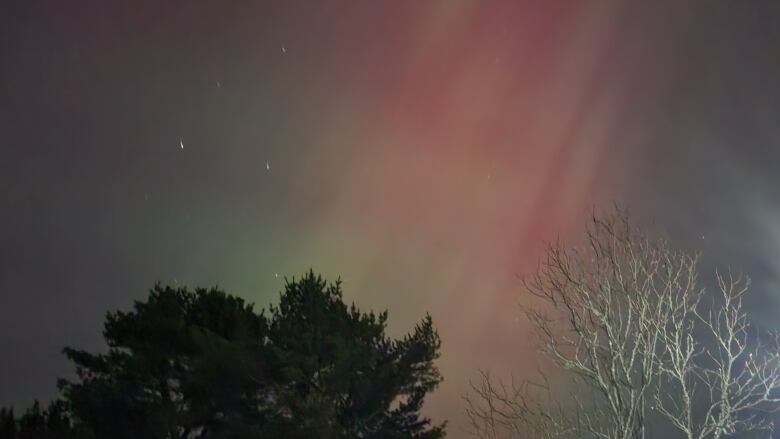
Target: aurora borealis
(422, 150)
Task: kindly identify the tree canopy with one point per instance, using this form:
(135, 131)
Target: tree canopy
(204, 364)
(630, 340)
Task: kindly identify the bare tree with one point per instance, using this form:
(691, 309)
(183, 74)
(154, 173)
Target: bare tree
(725, 380)
(518, 409)
(620, 316)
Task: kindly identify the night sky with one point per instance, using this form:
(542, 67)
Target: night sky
(422, 150)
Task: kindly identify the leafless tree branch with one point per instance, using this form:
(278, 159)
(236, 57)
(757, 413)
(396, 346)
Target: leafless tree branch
(624, 317)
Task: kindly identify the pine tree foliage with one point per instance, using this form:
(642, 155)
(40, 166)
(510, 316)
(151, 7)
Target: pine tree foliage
(204, 364)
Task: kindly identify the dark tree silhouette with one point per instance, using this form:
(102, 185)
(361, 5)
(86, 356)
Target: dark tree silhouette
(204, 364)
(180, 364)
(340, 376)
(8, 427)
(36, 423)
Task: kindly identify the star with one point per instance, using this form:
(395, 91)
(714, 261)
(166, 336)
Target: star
(181, 143)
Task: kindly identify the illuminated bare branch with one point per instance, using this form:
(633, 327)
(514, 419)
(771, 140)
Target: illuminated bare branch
(622, 316)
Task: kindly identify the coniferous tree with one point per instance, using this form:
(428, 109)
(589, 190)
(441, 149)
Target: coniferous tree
(180, 364)
(7, 423)
(204, 364)
(340, 376)
(36, 423)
